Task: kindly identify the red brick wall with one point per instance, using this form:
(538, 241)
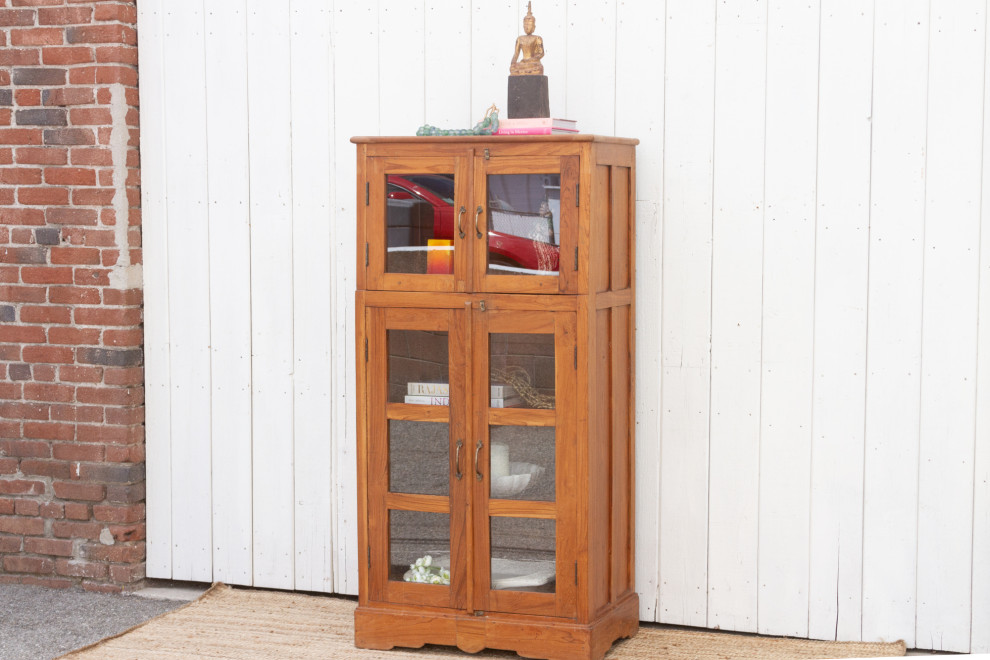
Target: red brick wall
(71, 361)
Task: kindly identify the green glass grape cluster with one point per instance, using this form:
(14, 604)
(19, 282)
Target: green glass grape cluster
(487, 126)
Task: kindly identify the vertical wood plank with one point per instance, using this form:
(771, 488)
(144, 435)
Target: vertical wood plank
(189, 299)
(402, 81)
(841, 262)
(230, 288)
(494, 29)
(737, 272)
(271, 292)
(980, 630)
(356, 112)
(788, 316)
(591, 48)
(639, 103)
(686, 320)
(980, 635)
(311, 90)
(447, 66)
(949, 338)
(154, 227)
(896, 259)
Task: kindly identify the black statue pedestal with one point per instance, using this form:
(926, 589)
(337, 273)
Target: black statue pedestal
(529, 96)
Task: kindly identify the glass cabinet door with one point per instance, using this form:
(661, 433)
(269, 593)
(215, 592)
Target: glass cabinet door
(527, 216)
(417, 456)
(417, 224)
(524, 392)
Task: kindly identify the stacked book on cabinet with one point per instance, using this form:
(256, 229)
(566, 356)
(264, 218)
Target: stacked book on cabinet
(536, 126)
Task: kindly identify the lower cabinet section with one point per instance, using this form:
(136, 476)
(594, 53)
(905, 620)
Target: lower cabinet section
(385, 627)
(495, 473)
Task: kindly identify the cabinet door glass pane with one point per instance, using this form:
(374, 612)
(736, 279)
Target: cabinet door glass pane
(523, 224)
(522, 463)
(522, 370)
(418, 370)
(418, 457)
(523, 554)
(419, 231)
(419, 547)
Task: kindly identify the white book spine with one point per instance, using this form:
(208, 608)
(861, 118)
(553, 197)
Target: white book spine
(428, 400)
(428, 389)
(443, 389)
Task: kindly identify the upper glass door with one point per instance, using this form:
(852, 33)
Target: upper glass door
(526, 222)
(418, 222)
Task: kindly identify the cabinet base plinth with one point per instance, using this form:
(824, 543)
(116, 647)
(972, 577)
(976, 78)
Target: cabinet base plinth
(385, 627)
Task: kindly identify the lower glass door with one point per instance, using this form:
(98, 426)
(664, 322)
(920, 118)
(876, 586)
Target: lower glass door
(416, 457)
(525, 558)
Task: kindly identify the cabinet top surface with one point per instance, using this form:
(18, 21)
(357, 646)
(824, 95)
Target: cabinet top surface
(479, 139)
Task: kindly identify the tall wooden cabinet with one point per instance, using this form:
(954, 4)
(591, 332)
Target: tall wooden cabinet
(495, 323)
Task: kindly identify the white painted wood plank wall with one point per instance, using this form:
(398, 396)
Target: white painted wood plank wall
(813, 370)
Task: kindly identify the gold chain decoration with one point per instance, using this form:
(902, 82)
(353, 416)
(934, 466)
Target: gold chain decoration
(519, 379)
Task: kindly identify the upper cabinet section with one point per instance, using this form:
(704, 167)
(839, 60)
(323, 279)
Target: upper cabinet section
(541, 214)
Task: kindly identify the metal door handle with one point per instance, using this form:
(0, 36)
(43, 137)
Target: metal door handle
(477, 468)
(457, 459)
(460, 214)
(477, 214)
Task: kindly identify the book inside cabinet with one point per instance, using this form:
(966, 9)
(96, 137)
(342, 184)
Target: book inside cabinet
(495, 319)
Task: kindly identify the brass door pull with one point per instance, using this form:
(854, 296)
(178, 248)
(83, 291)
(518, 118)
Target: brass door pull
(457, 459)
(477, 214)
(477, 468)
(460, 214)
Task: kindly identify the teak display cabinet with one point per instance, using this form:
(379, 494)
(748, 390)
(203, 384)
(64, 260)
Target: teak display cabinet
(495, 323)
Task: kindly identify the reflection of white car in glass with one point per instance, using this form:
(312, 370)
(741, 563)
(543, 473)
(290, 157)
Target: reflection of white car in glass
(515, 239)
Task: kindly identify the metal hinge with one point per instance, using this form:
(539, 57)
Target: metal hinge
(365, 349)
(488, 155)
(575, 574)
(367, 193)
(575, 358)
(577, 195)
(575, 258)
(366, 251)
(369, 556)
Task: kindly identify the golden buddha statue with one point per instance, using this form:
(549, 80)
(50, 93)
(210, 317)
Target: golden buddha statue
(531, 48)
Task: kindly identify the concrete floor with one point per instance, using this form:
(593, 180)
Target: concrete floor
(37, 623)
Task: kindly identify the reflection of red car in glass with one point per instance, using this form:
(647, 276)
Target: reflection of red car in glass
(504, 249)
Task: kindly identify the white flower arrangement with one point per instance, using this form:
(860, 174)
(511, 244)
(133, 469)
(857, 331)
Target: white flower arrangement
(425, 572)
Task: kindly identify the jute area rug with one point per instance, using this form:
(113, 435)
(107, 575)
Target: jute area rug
(250, 624)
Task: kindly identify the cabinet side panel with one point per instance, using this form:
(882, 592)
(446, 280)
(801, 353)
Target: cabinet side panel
(622, 473)
(619, 226)
(601, 222)
(600, 491)
(361, 445)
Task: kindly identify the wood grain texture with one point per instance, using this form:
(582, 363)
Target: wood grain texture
(158, 431)
(841, 260)
(230, 291)
(686, 313)
(893, 381)
(788, 317)
(189, 299)
(269, 130)
(736, 324)
(949, 342)
(592, 511)
(311, 89)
